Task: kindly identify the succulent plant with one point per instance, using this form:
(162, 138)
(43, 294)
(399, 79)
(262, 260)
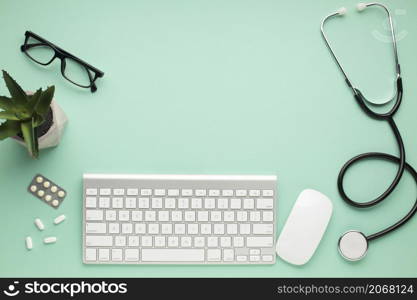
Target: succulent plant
(24, 113)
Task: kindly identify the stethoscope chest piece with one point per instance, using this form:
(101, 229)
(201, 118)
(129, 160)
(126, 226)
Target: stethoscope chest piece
(353, 245)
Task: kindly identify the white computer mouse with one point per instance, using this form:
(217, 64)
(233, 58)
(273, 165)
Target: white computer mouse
(305, 227)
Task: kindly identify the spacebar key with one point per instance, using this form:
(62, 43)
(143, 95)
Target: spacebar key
(174, 255)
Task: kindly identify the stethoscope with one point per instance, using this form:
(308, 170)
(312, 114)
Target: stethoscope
(353, 244)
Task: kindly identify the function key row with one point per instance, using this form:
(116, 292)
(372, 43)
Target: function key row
(177, 192)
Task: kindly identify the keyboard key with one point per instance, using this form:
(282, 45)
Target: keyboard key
(146, 241)
(231, 228)
(90, 254)
(241, 193)
(213, 255)
(189, 216)
(238, 242)
(159, 192)
(116, 255)
(186, 192)
(265, 203)
(127, 228)
(216, 216)
(241, 216)
(259, 242)
(226, 241)
(267, 258)
(118, 192)
(114, 228)
(91, 202)
(235, 203)
(176, 216)
(173, 192)
(200, 193)
(133, 241)
(132, 192)
(93, 215)
(91, 192)
(95, 227)
(244, 228)
(218, 228)
(214, 193)
(156, 202)
(172, 241)
(163, 216)
(254, 258)
(205, 228)
(222, 203)
(105, 192)
(255, 252)
(159, 241)
(117, 202)
(241, 258)
(254, 193)
(174, 255)
(249, 203)
(228, 255)
(143, 202)
(255, 216)
(137, 215)
(111, 215)
(199, 242)
(192, 228)
(209, 203)
(140, 228)
(212, 241)
(104, 254)
(131, 254)
(120, 240)
(227, 193)
(166, 228)
(186, 242)
(153, 228)
(263, 229)
(183, 202)
(146, 192)
(196, 203)
(130, 202)
(124, 215)
(202, 216)
(150, 215)
(98, 241)
(104, 202)
(267, 193)
(229, 216)
(169, 202)
(267, 216)
(179, 228)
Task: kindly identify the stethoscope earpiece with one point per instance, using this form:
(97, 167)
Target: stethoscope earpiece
(361, 6)
(353, 245)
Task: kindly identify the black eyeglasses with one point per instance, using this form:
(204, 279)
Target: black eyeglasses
(73, 69)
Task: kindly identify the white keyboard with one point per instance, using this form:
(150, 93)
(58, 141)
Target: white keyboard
(179, 219)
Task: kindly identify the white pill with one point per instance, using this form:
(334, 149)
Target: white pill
(61, 194)
(55, 202)
(33, 188)
(47, 184)
(39, 224)
(59, 219)
(54, 189)
(41, 193)
(39, 179)
(29, 243)
(48, 198)
(49, 240)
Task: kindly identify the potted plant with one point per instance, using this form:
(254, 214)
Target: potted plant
(33, 119)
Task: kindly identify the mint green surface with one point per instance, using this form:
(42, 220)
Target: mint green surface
(213, 87)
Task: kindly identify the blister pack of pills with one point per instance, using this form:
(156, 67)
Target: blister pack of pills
(47, 191)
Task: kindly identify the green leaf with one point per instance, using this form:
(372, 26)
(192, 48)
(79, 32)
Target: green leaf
(29, 135)
(37, 120)
(17, 93)
(44, 102)
(7, 115)
(33, 100)
(6, 103)
(9, 129)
